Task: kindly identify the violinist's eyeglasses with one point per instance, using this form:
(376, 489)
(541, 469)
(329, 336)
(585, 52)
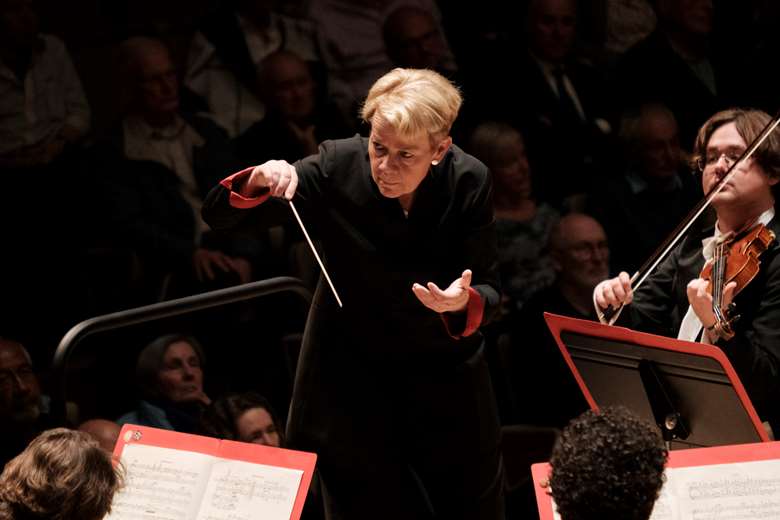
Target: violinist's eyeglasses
(711, 159)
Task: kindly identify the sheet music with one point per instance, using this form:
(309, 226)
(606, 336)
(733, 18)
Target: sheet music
(160, 484)
(243, 491)
(737, 491)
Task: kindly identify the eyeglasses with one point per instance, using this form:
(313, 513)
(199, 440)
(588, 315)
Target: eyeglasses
(712, 158)
(587, 250)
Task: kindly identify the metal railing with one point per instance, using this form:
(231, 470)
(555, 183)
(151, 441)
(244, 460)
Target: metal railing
(166, 309)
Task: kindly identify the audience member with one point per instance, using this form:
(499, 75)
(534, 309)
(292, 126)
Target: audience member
(42, 104)
(522, 224)
(44, 117)
(153, 172)
(226, 52)
(352, 45)
(103, 431)
(169, 377)
(655, 190)
(626, 22)
(607, 465)
(62, 475)
(580, 256)
(296, 120)
(677, 66)
(24, 410)
(414, 40)
(557, 104)
(246, 417)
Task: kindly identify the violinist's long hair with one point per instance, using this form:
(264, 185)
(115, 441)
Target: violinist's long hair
(749, 123)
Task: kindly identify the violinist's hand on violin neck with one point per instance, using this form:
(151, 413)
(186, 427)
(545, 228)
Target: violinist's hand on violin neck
(614, 292)
(279, 177)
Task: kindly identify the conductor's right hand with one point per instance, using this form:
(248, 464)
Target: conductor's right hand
(279, 177)
(614, 292)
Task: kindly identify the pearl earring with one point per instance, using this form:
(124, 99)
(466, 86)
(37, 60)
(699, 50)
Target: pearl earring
(434, 163)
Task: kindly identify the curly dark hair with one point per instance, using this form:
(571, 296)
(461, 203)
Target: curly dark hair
(607, 465)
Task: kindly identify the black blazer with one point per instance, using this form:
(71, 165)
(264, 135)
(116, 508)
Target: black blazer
(660, 305)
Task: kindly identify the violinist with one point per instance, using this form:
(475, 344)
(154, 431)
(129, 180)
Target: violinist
(676, 301)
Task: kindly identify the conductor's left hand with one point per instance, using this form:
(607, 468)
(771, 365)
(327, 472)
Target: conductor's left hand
(452, 299)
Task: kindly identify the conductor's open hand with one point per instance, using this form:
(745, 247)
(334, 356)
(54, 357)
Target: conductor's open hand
(278, 176)
(452, 299)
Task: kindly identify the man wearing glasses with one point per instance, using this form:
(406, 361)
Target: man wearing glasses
(674, 301)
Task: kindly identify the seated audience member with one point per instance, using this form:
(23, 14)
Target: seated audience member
(414, 40)
(580, 255)
(42, 105)
(352, 45)
(169, 377)
(296, 121)
(607, 465)
(154, 171)
(679, 66)
(655, 190)
(24, 410)
(103, 431)
(62, 475)
(558, 104)
(246, 417)
(44, 117)
(523, 225)
(229, 47)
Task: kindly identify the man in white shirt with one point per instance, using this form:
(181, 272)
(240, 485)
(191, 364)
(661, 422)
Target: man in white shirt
(675, 301)
(42, 104)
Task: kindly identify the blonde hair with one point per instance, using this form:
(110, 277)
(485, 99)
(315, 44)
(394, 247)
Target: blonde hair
(414, 101)
(62, 475)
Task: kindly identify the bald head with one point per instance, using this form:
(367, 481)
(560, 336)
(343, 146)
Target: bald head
(149, 74)
(578, 245)
(287, 86)
(104, 431)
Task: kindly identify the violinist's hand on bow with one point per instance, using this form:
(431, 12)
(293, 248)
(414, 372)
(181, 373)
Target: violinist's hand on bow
(452, 299)
(614, 292)
(701, 300)
(278, 176)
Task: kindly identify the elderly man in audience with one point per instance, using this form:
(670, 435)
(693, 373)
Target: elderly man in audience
(105, 432)
(153, 172)
(580, 255)
(24, 410)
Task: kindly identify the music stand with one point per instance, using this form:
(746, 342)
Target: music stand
(690, 390)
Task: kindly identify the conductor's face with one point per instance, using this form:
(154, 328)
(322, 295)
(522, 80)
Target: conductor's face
(399, 163)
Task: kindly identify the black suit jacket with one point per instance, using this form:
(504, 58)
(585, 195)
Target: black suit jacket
(660, 305)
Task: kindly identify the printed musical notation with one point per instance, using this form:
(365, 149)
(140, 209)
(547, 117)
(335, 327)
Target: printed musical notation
(171, 484)
(240, 490)
(160, 483)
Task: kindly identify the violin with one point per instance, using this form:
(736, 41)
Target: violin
(737, 260)
(610, 314)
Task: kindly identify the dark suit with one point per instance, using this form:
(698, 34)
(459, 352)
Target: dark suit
(651, 71)
(401, 413)
(565, 150)
(661, 303)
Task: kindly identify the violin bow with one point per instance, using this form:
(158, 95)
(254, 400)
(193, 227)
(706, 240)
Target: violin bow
(610, 314)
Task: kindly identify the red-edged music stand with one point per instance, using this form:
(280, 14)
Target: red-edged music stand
(689, 389)
(677, 459)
